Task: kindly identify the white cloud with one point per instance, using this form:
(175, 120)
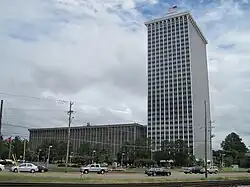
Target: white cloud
(94, 52)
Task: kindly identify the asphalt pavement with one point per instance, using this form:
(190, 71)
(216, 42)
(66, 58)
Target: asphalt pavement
(175, 175)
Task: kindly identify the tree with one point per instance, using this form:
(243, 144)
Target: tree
(234, 149)
(57, 151)
(4, 150)
(17, 147)
(131, 151)
(176, 151)
(143, 148)
(84, 149)
(233, 142)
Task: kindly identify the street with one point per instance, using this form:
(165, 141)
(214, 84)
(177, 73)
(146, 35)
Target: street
(175, 175)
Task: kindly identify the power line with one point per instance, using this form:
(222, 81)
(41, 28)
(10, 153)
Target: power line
(35, 109)
(33, 97)
(20, 126)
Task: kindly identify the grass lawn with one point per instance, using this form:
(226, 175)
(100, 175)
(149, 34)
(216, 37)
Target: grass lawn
(229, 169)
(62, 169)
(20, 177)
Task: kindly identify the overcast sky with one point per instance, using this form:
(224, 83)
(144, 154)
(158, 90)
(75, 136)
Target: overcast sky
(94, 53)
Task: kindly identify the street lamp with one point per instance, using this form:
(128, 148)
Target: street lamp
(48, 156)
(38, 155)
(93, 156)
(222, 160)
(70, 157)
(122, 159)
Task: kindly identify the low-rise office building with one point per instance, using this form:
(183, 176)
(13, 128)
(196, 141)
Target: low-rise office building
(111, 136)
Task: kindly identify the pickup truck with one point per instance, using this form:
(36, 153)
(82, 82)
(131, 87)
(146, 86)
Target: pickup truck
(97, 168)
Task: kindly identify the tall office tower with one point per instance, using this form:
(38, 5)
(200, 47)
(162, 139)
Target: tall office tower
(177, 82)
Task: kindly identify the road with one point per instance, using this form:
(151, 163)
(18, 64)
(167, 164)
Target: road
(175, 175)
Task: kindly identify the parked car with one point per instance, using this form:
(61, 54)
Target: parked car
(213, 169)
(42, 169)
(97, 168)
(158, 171)
(194, 170)
(2, 167)
(248, 170)
(146, 170)
(25, 167)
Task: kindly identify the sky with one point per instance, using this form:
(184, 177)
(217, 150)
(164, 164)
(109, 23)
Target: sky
(94, 53)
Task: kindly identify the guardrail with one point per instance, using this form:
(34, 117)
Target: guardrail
(219, 183)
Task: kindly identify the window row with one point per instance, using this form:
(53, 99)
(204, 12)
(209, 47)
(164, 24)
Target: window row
(180, 73)
(181, 89)
(169, 105)
(168, 68)
(169, 21)
(161, 86)
(164, 23)
(168, 44)
(167, 40)
(164, 65)
(172, 120)
(172, 80)
(180, 118)
(173, 76)
(168, 64)
(171, 30)
(184, 126)
(165, 106)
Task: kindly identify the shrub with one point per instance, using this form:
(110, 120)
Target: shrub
(61, 165)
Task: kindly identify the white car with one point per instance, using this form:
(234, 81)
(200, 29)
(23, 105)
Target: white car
(2, 167)
(213, 169)
(25, 167)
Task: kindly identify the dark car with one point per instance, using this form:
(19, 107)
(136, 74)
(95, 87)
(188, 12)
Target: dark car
(195, 170)
(42, 169)
(248, 170)
(158, 172)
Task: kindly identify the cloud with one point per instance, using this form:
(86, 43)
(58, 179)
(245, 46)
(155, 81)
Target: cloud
(94, 52)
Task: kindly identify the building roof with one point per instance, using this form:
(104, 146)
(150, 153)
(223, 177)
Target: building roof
(89, 126)
(173, 15)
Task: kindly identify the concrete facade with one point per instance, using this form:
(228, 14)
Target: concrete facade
(177, 82)
(110, 136)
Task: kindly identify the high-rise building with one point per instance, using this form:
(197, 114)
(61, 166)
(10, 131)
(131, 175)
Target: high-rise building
(111, 137)
(177, 82)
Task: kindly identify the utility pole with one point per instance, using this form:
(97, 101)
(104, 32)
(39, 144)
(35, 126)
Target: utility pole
(151, 152)
(1, 116)
(211, 141)
(24, 150)
(205, 115)
(10, 146)
(68, 140)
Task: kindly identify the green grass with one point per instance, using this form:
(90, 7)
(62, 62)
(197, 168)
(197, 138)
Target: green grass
(62, 169)
(19, 177)
(229, 169)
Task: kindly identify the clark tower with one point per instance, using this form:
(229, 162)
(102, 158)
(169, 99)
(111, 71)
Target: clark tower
(177, 82)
